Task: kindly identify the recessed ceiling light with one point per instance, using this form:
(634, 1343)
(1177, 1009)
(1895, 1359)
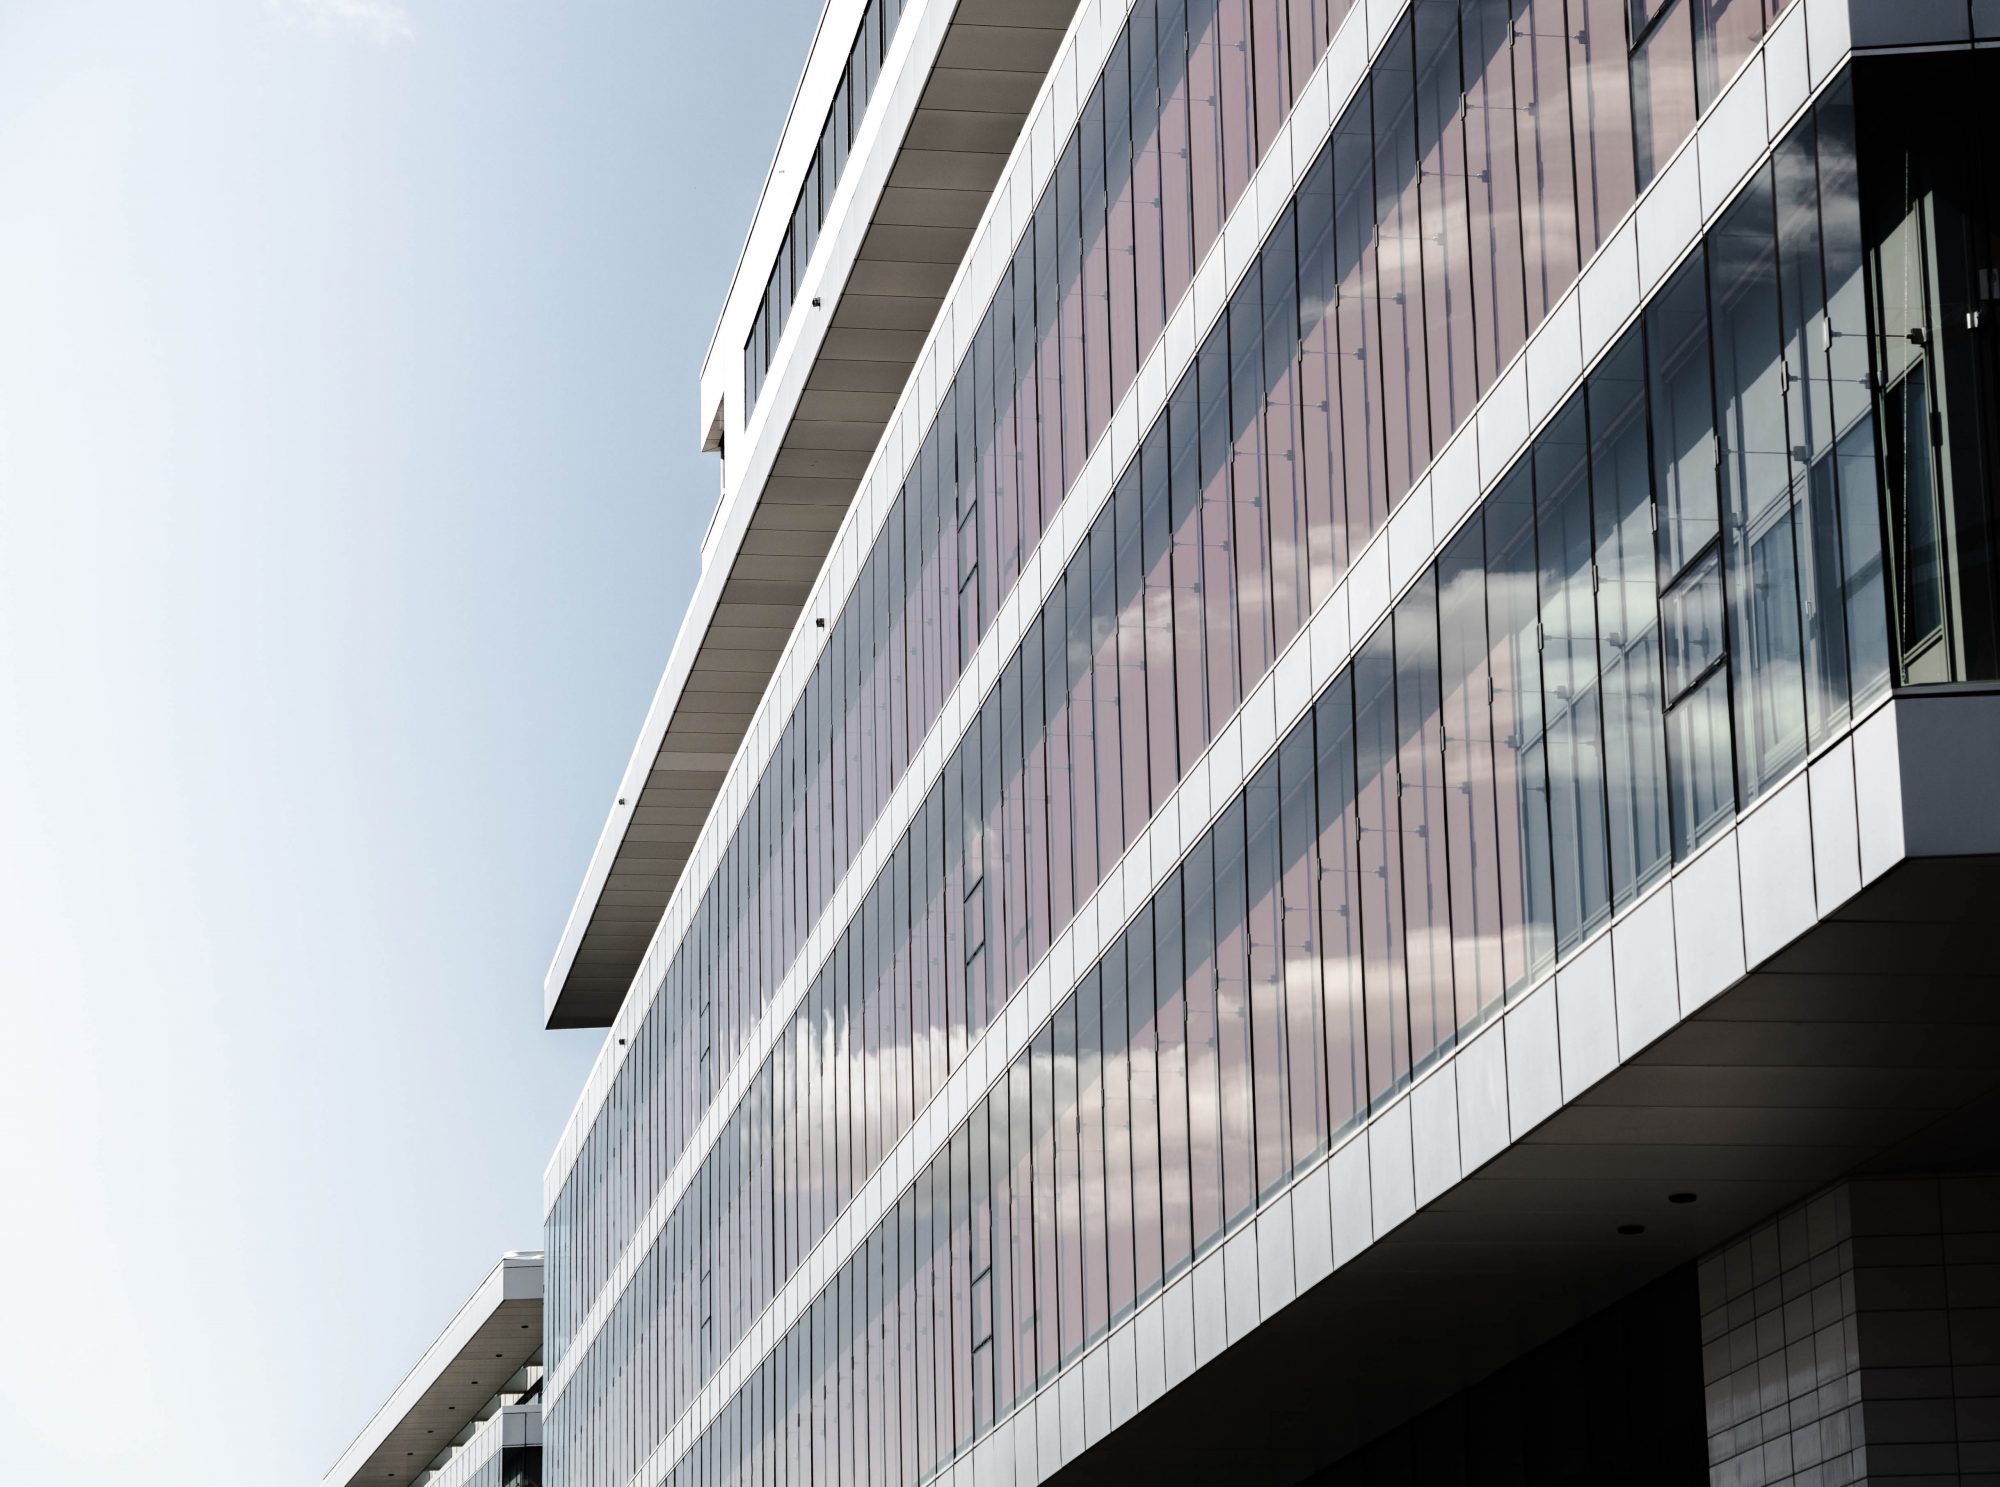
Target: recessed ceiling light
(1680, 1197)
(1631, 1228)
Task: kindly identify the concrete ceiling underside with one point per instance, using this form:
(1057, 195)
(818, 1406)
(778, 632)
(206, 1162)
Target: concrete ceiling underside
(503, 1344)
(989, 70)
(1870, 1045)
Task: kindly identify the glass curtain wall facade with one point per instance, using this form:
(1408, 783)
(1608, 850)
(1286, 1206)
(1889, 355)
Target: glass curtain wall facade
(1933, 175)
(1609, 743)
(1032, 396)
(1589, 679)
(1371, 340)
(829, 159)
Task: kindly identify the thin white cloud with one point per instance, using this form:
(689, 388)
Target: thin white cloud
(383, 22)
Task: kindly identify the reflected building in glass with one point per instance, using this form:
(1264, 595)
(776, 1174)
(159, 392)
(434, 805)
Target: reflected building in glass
(1327, 811)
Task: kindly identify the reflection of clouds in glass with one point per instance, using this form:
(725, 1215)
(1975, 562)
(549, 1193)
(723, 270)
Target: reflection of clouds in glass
(1511, 592)
(380, 21)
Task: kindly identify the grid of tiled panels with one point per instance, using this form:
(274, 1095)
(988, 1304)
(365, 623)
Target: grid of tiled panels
(1851, 1339)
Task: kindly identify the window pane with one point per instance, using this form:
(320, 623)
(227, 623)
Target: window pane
(1493, 180)
(1663, 107)
(1520, 773)
(1299, 941)
(1148, 246)
(1421, 804)
(1034, 845)
(1049, 483)
(1857, 479)
(1628, 621)
(1142, 1054)
(1131, 643)
(1108, 783)
(1542, 125)
(1399, 258)
(1096, 274)
(927, 1313)
(1698, 753)
(1271, 1081)
(1205, 141)
(1203, 1075)
(1074, 418)
(1068, 1196)
(1090, 1147)
(1381, 867)
(1170, 1025)
(1809, 433)
(1284, 488)
(1232, 1019)
(959, 1176)
(1250, 536)
(1321, 458)
(1041, 1070)
(1601, 109)
(1176, 166)
(1235, 99)
(1340, 906)
(1761, 560)
(1190, 630)
(1569, 678)
(1473, 853)
(1443, 185)
(1356, 307)
(1157, 558)
(1268, 70)
(1062, 816)
(1010, 866)
(1022, 1193)
(1119, 1185)
(1684, 458)
(1000, 1163)
(1218, 569)
(1727, 31)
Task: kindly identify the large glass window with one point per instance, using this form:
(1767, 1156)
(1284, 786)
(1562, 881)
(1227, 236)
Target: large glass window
(1628, 623)
(1573, 743)
(1473, 849)
(1421, 811)
(1763, 564)
(1340, 907)
(1663, 86)
(1384, 975)
(1521, 782)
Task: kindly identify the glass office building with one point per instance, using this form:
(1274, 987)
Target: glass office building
(1371, 850)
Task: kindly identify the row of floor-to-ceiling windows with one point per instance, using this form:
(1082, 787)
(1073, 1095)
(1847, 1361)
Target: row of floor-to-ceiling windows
(1489, 152)
(1165, 145)
(1672, 596)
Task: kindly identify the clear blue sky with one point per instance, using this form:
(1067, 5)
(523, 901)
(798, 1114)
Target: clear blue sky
(347, 501)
